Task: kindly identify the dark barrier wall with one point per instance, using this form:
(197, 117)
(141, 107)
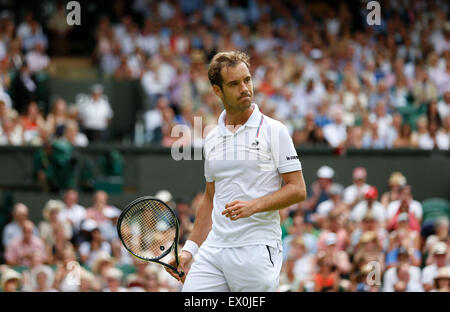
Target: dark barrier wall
(149, 169)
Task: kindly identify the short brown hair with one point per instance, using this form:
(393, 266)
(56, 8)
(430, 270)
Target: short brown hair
(222, 59)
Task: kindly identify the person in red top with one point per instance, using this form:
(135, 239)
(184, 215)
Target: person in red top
(326, 279)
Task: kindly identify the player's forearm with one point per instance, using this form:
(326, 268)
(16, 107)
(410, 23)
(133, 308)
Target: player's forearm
(286, 196)
(203, 220)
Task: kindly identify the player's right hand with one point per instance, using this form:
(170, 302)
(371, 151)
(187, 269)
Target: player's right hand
(184, 259)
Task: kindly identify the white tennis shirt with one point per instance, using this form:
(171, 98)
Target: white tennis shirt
(246, 165)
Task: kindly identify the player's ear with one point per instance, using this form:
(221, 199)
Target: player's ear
(218, 90)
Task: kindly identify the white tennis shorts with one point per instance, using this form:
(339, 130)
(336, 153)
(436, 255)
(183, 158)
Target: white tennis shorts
(254, 268)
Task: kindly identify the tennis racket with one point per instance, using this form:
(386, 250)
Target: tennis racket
(149, 229)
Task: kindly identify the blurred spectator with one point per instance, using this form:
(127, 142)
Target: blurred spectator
(334, 204)
(72, 211)
(53, 231)
(355, 192)
(429, 273)
(444, 105)
(11, 280)
(434, 139)
(59, 31)
(25, 89)
(73, 135)
(36, 58)
(318, 191)
(405, 204)
(336, 131)
(442, 280)
(58, 118)
(13, 230)
(31, 122)
(95, 115)
(20, 250)
(403, 277)
(405, 138)
(326, 279)
(90, 250)
(42, 278)
(396, 181)
(114, 279)
(370, 204)
(99, 207)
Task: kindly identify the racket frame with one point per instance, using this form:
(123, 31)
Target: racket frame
(174, 245)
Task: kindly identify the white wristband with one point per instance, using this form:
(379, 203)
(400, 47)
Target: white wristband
(191, 247)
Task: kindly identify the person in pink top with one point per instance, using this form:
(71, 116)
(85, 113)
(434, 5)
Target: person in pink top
(21, 250)
(100, 203)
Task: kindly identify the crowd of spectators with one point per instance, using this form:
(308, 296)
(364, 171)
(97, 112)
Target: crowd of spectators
(342, 238)
(321, 69)
(28, 118)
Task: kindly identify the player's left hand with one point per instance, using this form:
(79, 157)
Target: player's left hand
(238, 209)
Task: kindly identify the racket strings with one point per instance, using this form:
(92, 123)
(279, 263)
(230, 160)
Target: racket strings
(148, 229)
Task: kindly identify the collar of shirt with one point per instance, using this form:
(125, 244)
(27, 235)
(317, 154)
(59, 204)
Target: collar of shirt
(253, 121)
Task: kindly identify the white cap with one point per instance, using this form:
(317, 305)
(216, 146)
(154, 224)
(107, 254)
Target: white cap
(111, 212)
(316, 54)
(89, 225)
(325, 172)
(164, 196)
(440, 248)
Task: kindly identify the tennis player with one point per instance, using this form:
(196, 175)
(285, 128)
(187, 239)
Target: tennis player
(235, 244)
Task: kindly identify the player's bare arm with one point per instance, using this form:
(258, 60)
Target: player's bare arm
(293, 191)
(202, 226)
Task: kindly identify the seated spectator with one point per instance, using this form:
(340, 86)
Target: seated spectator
(74, 136)
(403, 238)
(20, 250)
(442, 281)
(405, 138)
(336, 131)
(335, 204)
(66, 267)
(318, 191)
(434, 138)
(443, 106)
(95, 115)
(114, 279)
(333, 224)
(31, 122)
(304, 262)
(298, 229)
(289, 281)
(11, 280)
(369, 249)
(326, 279)
(13, 230)
(355, 192)
(369, 224)
(52, 229)
(72, 211)
(57, 119)
(403, 277)
(99, 206)
(89, 250)
(396, 181)
(42, 278)
(405, 204)
(11, 132)
(102, 262)
(369, 205)
(439, 258)
(36, 58)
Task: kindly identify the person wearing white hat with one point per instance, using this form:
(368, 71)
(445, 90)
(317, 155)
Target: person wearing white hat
(439, 255)
(51, 221)
(318, 191)
(114, 278)
(11, 280)
(42, 278)
(235, 243)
